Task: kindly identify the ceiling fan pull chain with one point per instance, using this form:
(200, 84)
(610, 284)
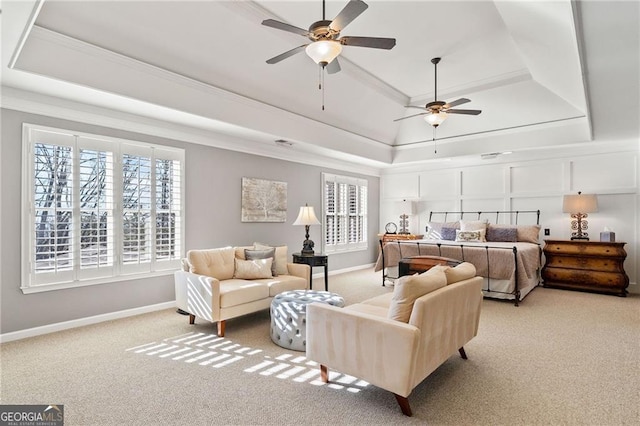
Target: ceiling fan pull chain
(435, 142)
(322, 74)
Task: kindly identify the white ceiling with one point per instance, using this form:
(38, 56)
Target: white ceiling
(534, 68)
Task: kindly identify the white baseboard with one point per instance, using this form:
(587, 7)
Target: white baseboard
(51, 328)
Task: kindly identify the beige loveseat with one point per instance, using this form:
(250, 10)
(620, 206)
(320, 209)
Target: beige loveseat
(219, 284)
(363, 340)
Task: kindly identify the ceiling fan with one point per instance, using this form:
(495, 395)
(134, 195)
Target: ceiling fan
(437, 111)
(326, 43)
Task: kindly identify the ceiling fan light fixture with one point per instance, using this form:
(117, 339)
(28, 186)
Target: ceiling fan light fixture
(436, 119)
(324, 51)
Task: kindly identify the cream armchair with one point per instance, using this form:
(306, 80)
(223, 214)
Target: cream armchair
(360, 340)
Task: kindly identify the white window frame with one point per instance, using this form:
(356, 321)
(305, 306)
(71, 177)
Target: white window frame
(118, 270)
(362, 214)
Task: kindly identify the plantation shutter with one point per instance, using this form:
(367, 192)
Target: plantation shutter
(98, 208)
(345, 213)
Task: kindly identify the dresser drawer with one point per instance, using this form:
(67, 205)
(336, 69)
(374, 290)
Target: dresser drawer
(587, 263)
(579, 277)
(588, 249)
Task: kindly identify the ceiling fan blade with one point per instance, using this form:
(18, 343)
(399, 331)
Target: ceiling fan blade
(464, 111)
(284, 27)
(286, 54)
(411, 116)
(375, 42)
(457, 102)
(351, 11)
(417, 107)
(333, 67)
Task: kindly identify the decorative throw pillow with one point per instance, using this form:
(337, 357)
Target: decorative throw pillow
(502, 233)
(280, 258)
(475, 225)
(528, 233)
(448, 234)
(434, 229)
(263, 254)
(469, 236)
(253, 269)
(461, 272)
(411, 287)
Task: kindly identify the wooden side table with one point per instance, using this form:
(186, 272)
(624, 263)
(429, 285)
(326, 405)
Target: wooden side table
(585, 265)
(314, 260)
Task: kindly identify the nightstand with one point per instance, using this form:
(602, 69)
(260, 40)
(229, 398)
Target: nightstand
(314, 260)
(585, 265)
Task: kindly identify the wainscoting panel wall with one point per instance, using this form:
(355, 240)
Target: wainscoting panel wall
(530, 185)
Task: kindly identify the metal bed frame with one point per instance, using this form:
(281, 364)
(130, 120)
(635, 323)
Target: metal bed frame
(514, 249)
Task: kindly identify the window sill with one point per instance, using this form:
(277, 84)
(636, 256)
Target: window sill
(84, 283)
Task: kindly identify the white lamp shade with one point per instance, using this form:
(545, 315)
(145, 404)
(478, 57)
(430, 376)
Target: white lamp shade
(306, 216)
(581, 203)
(323, 51)
(436, 119)
(406, 207)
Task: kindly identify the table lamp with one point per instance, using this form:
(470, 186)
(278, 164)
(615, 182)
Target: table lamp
(307, 217)
(405, 208)
(579, 205)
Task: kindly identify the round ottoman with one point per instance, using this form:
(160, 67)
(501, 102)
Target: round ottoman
(289, 316)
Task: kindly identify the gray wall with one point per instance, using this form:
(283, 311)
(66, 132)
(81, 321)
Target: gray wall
(213, 192)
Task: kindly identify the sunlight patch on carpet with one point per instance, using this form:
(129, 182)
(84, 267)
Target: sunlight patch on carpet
(209, 350)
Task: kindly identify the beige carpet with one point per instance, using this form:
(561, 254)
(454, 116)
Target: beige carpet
(561, 357)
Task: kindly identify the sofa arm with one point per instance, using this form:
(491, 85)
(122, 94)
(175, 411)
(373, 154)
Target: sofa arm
(198, 294)
(300, 270)
(376, 349)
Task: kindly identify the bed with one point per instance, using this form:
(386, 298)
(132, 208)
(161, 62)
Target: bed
(506, 253)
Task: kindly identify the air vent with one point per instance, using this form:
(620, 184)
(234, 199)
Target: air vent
(490, 155)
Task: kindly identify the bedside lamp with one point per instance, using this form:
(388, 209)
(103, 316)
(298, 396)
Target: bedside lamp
(579, 205)
(307, 217)
(405, 208)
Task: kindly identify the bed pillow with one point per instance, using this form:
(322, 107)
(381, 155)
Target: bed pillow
(434, 229)
(280, 258)
(253, 269)
(475, 225)
(263, 254)
(528, 233)
(461, 272)
(502, 233)
(469, 236)
(448, 234)
(409, 288)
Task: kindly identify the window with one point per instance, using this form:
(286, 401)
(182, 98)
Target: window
(345, 213)
(98, 209)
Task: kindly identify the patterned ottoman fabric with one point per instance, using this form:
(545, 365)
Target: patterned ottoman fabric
(289, 316)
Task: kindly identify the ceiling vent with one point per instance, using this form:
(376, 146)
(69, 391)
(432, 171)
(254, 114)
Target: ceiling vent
(490, 155)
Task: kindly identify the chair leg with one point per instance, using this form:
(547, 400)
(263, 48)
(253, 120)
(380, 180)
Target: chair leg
(221, 325)
(463, 354)
(404, 405)
(192, 319)
(324, 373)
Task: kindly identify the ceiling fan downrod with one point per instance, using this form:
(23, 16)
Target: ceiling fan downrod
(435, 62)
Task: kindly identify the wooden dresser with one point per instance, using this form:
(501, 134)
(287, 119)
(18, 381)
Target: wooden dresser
(585, 265)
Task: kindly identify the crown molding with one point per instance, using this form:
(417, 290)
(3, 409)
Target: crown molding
(198, 133)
